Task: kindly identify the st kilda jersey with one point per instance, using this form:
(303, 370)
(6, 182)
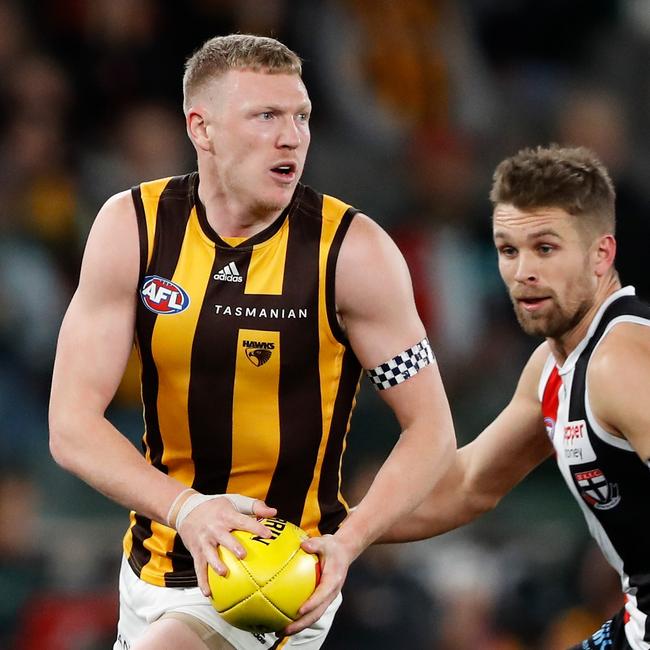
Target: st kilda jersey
(247, 380)
(604, 473)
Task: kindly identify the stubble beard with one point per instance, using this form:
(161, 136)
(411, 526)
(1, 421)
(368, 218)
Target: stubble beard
(555, 321)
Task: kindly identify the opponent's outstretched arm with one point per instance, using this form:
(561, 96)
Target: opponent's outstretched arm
(94, 345)
(487, 468)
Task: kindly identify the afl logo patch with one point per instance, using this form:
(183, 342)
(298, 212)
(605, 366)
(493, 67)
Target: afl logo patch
(163, 296)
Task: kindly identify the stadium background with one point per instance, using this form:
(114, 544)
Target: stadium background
(414, 103)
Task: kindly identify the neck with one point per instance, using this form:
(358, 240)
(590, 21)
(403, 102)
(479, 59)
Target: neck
(231, 215)
(562, 346)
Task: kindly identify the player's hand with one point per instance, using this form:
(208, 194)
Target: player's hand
(209, 526)
(335, 559)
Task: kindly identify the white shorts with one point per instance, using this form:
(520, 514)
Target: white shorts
(142, 603)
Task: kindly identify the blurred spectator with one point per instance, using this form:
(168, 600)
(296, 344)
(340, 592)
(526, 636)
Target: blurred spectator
(596, 118)
(144, 141)
(598, 595)
(21, 564)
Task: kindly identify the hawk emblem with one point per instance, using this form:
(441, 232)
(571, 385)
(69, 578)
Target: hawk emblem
(258, 357)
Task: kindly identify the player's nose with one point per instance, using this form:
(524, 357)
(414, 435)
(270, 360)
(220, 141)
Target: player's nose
(526, 269)
(289, 135)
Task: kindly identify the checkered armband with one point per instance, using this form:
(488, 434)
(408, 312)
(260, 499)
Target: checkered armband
(402, 367)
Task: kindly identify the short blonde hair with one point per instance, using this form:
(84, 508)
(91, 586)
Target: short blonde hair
(237, 52)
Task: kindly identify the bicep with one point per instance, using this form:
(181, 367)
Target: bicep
(374, 295)
(377, 308)
(97, 332)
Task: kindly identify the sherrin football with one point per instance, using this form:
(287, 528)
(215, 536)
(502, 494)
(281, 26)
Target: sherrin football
(262, 592)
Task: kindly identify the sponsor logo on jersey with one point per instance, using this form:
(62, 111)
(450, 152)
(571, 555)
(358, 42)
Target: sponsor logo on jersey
(576, 444)
(596, 490)
(261, 312)
(258, 352)
(229, 273)
(163, 296)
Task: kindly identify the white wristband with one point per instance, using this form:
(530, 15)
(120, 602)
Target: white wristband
(176, 504)
(242, 504)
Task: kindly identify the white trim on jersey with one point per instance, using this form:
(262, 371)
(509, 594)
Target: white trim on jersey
(549, 364)
(602, 433)
(573, 357)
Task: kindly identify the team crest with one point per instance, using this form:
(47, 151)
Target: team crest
(163, 296)
(596, 490)
(258, 352)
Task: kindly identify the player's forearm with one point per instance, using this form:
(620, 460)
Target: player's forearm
(449, 506)
(96, 452)
(409, 474)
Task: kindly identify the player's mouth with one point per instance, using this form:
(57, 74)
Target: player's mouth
(530, 303)
(285, 172)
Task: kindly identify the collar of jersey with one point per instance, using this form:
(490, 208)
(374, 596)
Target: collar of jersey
(572, 359)
(261, 238)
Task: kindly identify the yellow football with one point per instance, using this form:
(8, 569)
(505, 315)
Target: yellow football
(263, 591)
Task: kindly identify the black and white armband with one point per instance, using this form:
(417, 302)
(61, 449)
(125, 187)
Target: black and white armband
(403, 366)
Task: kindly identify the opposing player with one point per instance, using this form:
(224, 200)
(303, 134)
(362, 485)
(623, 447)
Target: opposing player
(255, 303)
(583, 394)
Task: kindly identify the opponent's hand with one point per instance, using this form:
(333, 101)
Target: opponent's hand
(335, 559)
(210, 524)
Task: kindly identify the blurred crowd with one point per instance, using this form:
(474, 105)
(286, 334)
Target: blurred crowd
(414, 104)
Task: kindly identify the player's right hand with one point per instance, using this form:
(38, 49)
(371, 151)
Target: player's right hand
(210, 524)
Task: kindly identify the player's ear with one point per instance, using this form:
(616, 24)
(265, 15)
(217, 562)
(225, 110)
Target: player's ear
(605, 253)
(197, 128)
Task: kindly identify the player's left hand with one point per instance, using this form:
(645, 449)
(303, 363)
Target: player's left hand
(335, 559)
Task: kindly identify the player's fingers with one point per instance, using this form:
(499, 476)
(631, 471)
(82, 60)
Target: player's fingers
(307, 620)
(324, 592)
(315, 544)
(214, 560)
(250, 524)
(260, 509)
(201, 568)
(229, 541)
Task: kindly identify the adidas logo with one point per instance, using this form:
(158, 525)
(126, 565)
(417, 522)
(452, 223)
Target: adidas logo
(229, 273)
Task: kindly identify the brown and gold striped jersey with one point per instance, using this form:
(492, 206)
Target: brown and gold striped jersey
(248, 383)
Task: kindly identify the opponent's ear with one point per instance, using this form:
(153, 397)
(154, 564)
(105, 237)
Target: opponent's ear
(605, 253)
(197, 128)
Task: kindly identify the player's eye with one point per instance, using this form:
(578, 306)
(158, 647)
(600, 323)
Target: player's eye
(507, 251)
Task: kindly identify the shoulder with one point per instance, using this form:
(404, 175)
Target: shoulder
(366, 242)
(369, 263)
(113, 250)
(532, 372)
(623, 350)
(618, 379)
(118, 211)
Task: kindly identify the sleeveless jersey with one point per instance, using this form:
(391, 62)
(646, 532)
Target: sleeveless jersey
(248, 383)
(603, 472)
